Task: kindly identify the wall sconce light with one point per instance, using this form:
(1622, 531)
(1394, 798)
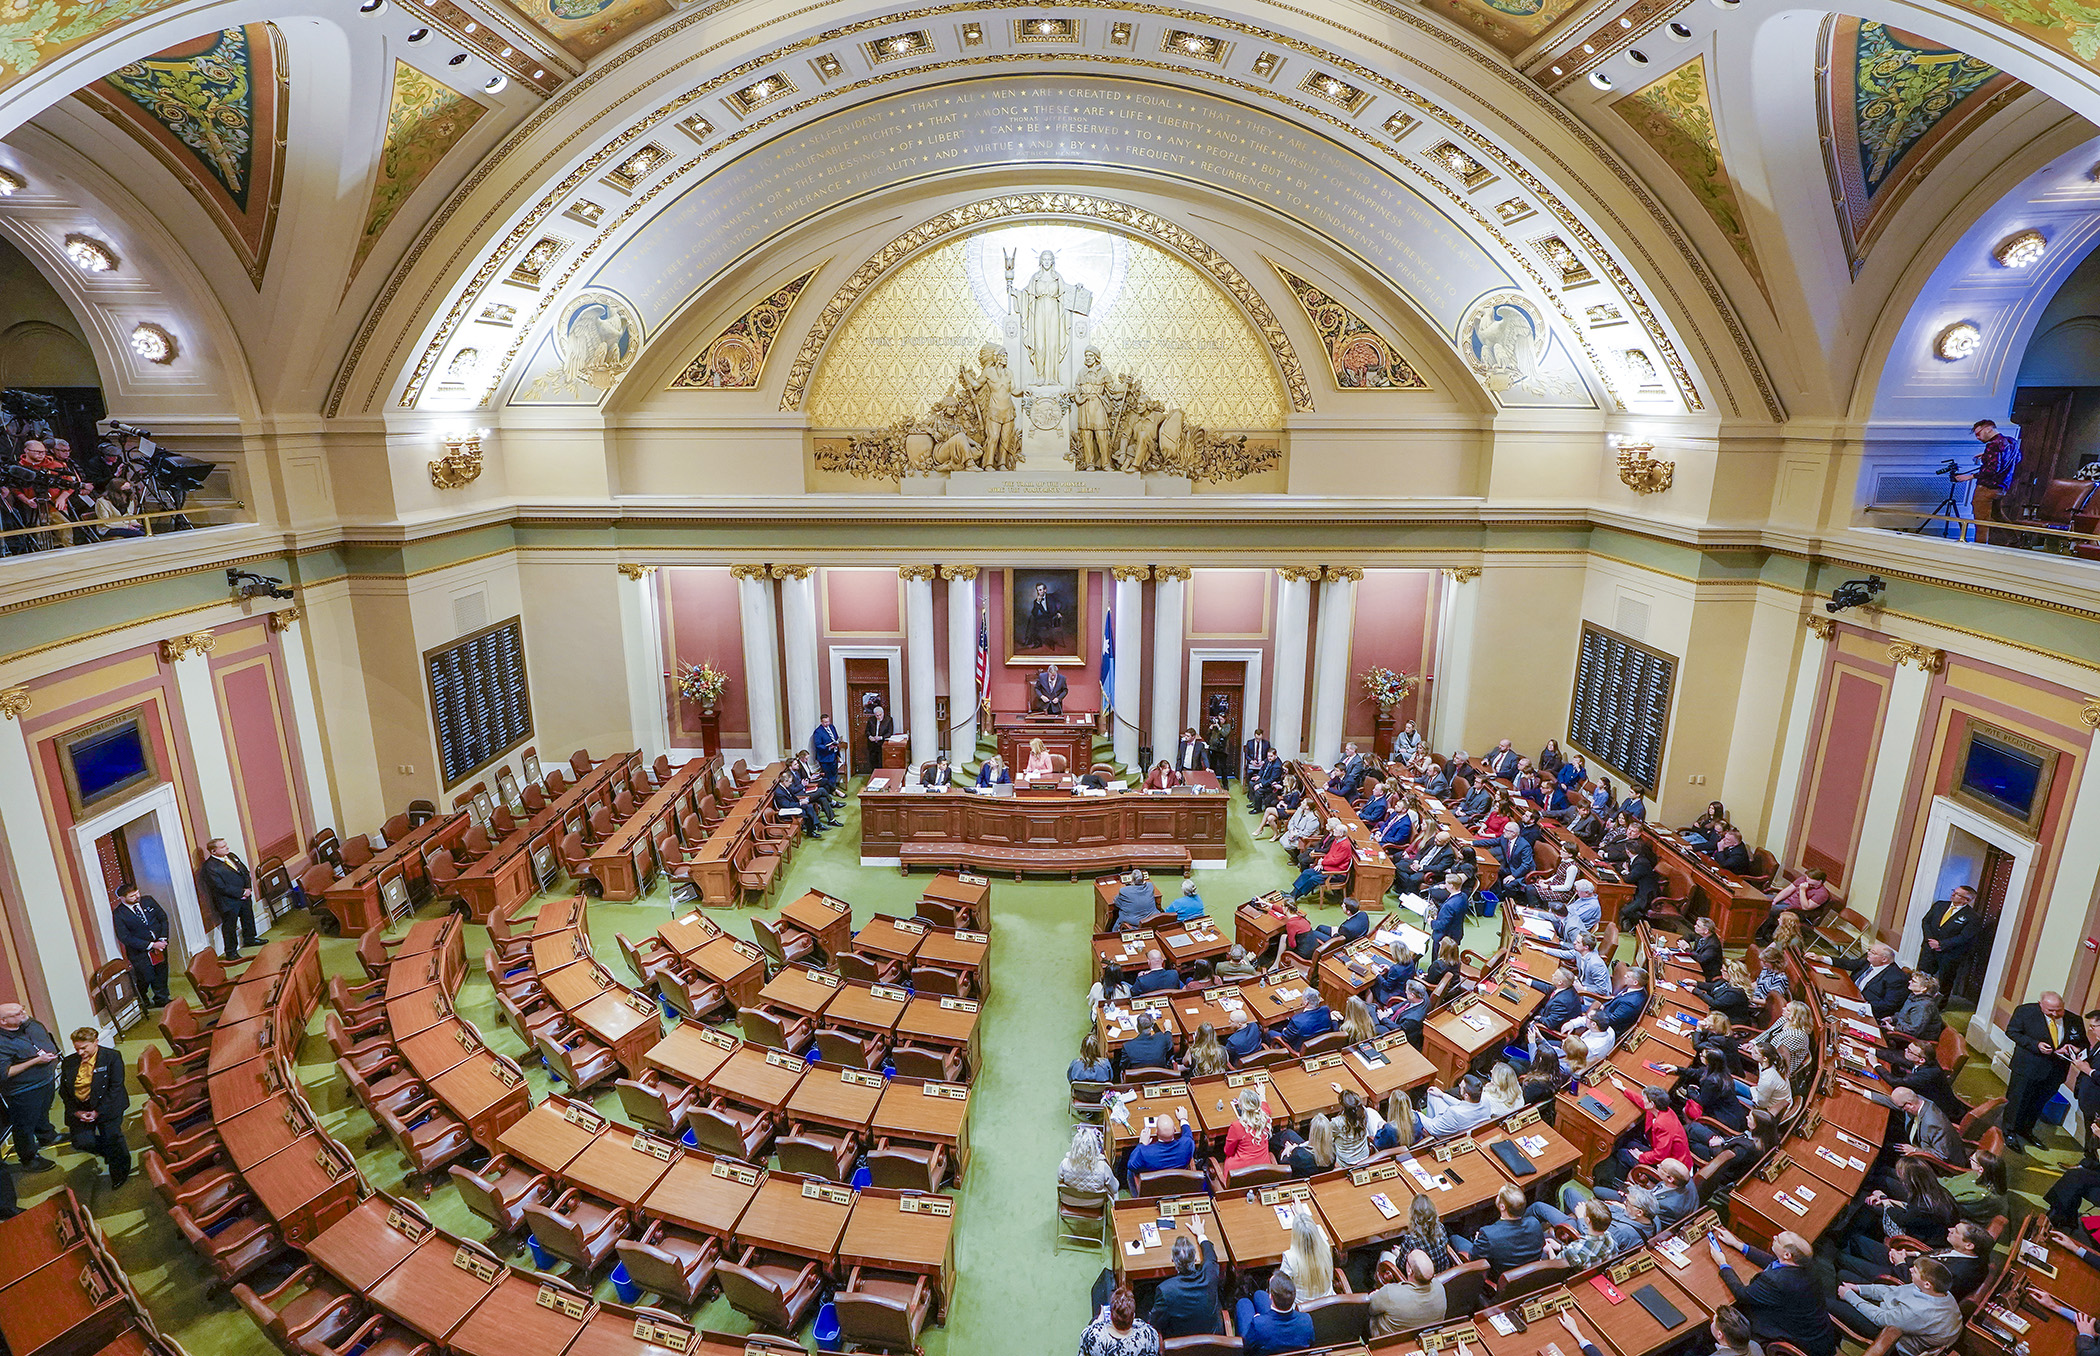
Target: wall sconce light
(461, 464)
(1959, 340)
(2020, 251)
(1639, 470)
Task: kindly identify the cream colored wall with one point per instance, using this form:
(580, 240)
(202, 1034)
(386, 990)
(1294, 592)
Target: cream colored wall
(1771, 660)
(331, 632)
(578, 653)
(1523, 664)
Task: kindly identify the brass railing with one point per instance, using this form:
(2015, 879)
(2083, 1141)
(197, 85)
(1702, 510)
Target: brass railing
(146, 519)
(1982, 524)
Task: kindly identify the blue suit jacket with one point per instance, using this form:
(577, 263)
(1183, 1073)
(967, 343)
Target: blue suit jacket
(1621, 1011)
(1355, 926)
(1450, 917)
(1517, 858)
(985, 777)
(1303, 1026)
(1373, 811)
(1559, 1009)
(824, 743)
(1268, 1331)
(1244, 1042)
(1396, 831)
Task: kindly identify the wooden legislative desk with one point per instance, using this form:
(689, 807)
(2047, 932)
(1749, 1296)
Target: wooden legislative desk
(623, 861)
(624, 1020)
(1372, 876)
(1071, 734)
(484, 1091)
(356, 898)
(505, 876)
(1737, 907)
(64, 1293)
(1055, 832)
(712, 867)
(737, 965)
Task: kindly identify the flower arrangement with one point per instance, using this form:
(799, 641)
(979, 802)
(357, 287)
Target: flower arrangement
(702, 683)
(1386, 687)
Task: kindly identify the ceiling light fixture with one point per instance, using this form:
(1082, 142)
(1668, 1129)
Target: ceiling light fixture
(153, 343)
(495, 84)
(90, 255)
(11, 183)
(1958, 341)
(2021, 250)
(1600, 80)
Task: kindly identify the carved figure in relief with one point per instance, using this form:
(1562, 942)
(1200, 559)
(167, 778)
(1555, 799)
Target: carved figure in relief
(994, 396)
(1091, 395)
(1047, 305)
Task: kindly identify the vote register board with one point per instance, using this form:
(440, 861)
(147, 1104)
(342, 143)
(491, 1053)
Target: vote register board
(479, 697)
(1621, 707)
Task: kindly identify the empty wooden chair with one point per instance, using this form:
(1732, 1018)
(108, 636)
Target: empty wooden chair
(500, 1189)
(648, 957)
(530, 1019)
(1339, 1319)
(235, 1241)
(946, 913)
(474, 844)
(692, 994)
(1533, 1277)
(771, 1289)
(580, 761)
(908, 1165)
(210, 977)
(674, 1263)
(576, 861)
(377, 1336)
(373, 956)
(183, 1150)
(933, 980)
(776, 1028)
(579, 1229)
(357, 850)
(755, 872)
(868, 967)
(1082, 1216)
(732, 1129)
(184, 1033)
(514, 978)
(581, 1062)
(308, 1303)
(357, 1004)
(741, 773)
(818, 1151)
(429, 1137)
(210, 1183)
(395, 829)
(850, 1049)
(534, 798)
(883, 1310)
(662, 768)
(395, 1093)
(656, 1101)
(601, 826)
(623, 806)
(367, 1057)
(180, 1086)
(937, 1064)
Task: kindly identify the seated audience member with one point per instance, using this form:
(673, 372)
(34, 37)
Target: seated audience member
(1092, 1066)
(1661, 1128)
(1771, 978)
(1409, 1296)
(1917, 1067)
(995, 772)
(1624, 1008)
(938, 774)
(1134, 903)
(1164, 1143)
(1915, 1205)
(1783, 1300)
(1296, 929)
(1120, 1332)
(1188, 905)
(1558, 887)
(1402, 1127)
(1808, 893)
(1447, 963)
(1882, 983)
(1410, 1010)
(1584, 824)
(1151, 1048)
(1313, 1018)
(1247, 1138)
(1678, 1195)
(1360, 1024)
(1156, 977)
(1504, 1094)
(1442, 1114)
(1301, 822)
(1355, 1126)
(1732, 854)
(1706, 829)
(1393, 976)
(1919, 1017)
(1309, 1261)
(1706, 947)
(1592, 971)
(1744, 1150)
(1730, 993)
(1425, 1234)
(1269, 1322)
(1373, 811)
(1731, 1333)
(1716, 1032)
(1595, 1244)
(1335, 861)
(1923, 1311)
(1786, 1044)
(1397, 832)
(1206, 1056)
(1112, 987)
(1186, 1303)
(1236, 964)
(1084, 1167)
(1639, 870)
(1514, 1239)
(1711, 1092)
(1039, 763)
(1516, 857)
(1311, 1152)
(1348, 775)
(1634, 804)
(1246, 1039)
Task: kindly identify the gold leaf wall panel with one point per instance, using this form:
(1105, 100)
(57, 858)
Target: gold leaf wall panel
(1192, 347)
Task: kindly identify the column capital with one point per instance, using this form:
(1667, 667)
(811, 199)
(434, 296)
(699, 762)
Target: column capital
(793, 571)
(1164, 573)
(1462, 574)
(181, 647)
(1299, 574)
(1928, 660)
(965, 573)
(2089, 716)
(636, 572)
(1130, 574)
(1337, 573)
(14, 703)
(747, 572)
(916, 573)
(1826, 628)
(282, 619)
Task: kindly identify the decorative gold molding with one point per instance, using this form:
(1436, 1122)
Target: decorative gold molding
(1337, 573)
(747, 572)
(793, 571)
(14, 703)
(1299, 574)
(636, 572)
(1826, 628)
(178, 648)
(1642, 473)
(2089, 716)
(1923, 657)
(1164, 573)
(916, 573)
(1130, 574)
(461, 464)
(281, 620)
(965, 573)
(1462, 574)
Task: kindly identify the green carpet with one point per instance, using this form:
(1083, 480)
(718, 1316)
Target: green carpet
(1015, 1292)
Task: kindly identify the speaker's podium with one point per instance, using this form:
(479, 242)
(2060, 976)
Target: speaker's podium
(1071, 734)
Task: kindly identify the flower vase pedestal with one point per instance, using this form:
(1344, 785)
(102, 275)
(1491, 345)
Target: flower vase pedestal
(710, 731)
(1382, 728)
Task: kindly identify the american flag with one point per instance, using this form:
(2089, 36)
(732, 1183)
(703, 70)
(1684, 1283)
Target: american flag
(984, 657)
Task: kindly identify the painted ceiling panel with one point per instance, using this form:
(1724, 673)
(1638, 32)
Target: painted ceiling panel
(1675, 116)
(33, 33)
(1510, 25)
(587, 27)
(424, 120)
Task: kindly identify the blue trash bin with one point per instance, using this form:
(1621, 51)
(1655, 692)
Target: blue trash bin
(826, 1329)
(862, 1178)
(691, 1140)
(1484, 903)
(541, 1258)
(623, 1284)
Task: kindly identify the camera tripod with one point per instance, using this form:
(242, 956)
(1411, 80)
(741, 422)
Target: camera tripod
(1946, 508)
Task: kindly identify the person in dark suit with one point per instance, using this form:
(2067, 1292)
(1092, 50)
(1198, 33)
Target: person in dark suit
(1187, 1302)
(1706, 947)
(1918, 1068)
(142, 931)
(1253, 754)
(91, 1084)
(1563, 1005)
(1639, 871)
(1246, 1038)
(1783, 1301)
(995, 772)
(1732, 854)
(1515, 1239)
(824, 741)
(1050, 689)
(1624, 1008)
(1882, 982)
(1151, 1048)
(1951, 927)
(1191, 754)
(938, 774)
(1349, 774)
(1504, 761)
(1518, 859)
(1450, 917)
(1157, 976)
(789, 800)
(2045, 1039)
(1315, 1018)
(232, 889)
(876, 733)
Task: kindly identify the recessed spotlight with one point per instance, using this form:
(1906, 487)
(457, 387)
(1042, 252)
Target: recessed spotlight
(459, 59)
(153, 343)
(90, 255)
(471, 28)
(1958, 341)
(1678, 32)
(11, 183)
(2020, 250)
(419, 35)
(495, 84)
(372, 7)
(1726, 4)
(900, 45)
(1600, 80)
(1637, 56)
(1046, 27)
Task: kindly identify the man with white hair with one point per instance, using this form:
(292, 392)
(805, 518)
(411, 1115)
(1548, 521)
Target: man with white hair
(1882, 982)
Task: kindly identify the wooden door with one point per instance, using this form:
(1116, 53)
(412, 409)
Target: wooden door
(1224, 699)
(867, 684)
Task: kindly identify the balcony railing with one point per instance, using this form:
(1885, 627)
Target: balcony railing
(21, 541)
(2023, 536)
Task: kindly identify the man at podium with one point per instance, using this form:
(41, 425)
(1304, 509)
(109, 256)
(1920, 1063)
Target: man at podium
(1050, 688)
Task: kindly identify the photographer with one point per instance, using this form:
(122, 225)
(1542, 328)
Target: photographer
(1978, 487)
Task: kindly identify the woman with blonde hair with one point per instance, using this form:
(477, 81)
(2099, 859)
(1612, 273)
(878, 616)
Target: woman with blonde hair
(1787, 1042)
(1206, 1057)
(1730, 993)
(1402, 1130)
(1357, 1022)
(1310, 1261)
(1504, 1092)
(1039, 764)
(1084, 1168)
(1772, 978)
(1788, 934)
(1315, 1152)
(1247, 1138)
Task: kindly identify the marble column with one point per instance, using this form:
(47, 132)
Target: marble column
(798, 649)
(1793, 748)
(1445, 729)
(641, 631)
(306, 714)
(919, 661)
(964, 700)
(1331, 661)
(190, 657)
(37, 876)
(1901, 720)
(754, 598)
(1130, 662)
(1169, 601)
(1293, 630)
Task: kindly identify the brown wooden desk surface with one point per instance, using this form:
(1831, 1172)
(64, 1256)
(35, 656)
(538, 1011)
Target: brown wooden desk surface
(758, 1077)
(543, 1139)
(614, 1169)
(477, 1094)
(52, 1306)
(1629, 1329)
(363, 1246)
(1347, 1201)
(1253, 1233)
(956, 949)
(617, 1014)
(1673, 1029)
(411, 974)
(1254, 926)
(689, 932)
(1214, 1098)
(1508, 991)
(1552, 1159)
(886, 935)
(246, 1003)
(244, 1040)
(40, 1233)
(1759, 1215)
(837, 1097)
(1632, 1063)
(691, 1052)
(1194, 941)
(1831, 1153)
(610, 1331)
(511, 1320)
(867, 1007)
(826, 917)
(782, 1217)
(1700, 1276)
(434, 1050)
(695, 1195)
(1404, 1067)
(635, 830)
(557, 914)
(1308, 1091)
(297, 1191)
(574, 985)
(246, 1085)
(1117, 1022)
(736, 965)
(1127, 949)
(1157, 1261)
(940, 1021)
(553, 950)
(799, 988)
(429, 1292)
(262, 1130)
(882, 1232)
(908, 1111)
(1542, 1331)
(1194, 1009)
(1453, 1041)
(1849, 1108)
(961, 887)
(418, 1011)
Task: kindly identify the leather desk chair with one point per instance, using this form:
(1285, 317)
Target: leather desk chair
(818, 1151)
(500, 1189)
(656, 1101)
(673, 1263)
(853, 1049)
(883, 1310)
(235, 1240)
(582, 1062)
(771, 1289)
(776, 1028)
(727, 1128)
(429, 1136)
(942, 1064)
(321, 1308)
(908, 1165)
(578, 1229)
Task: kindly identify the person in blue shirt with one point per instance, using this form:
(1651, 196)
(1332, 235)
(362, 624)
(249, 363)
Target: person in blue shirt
(1374, 809)
(1450, 918)
(1601, 796)
(995, 772)
(1634, 805)
(1624, 1008)
(1314, 1019)
(1392, 979)
(1245, 1040)
(1164, 1144)
(1572, 773)
(785, 799)
(1271, 1322)
(1584, 910)
(1396, 832)
(1156, 978)
(1092, 1066)
(1188, 906)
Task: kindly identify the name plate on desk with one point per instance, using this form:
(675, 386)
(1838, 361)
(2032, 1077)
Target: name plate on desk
(933, 1205)
(1635, 1039)
(860, 1078)
(1226, 991)
(1773, 1168)
(562, 1302)
(954, 1091)
(895, 995)
(969, 879)
(660, 1149)
(506, 1073)
(603, 979)
(828, 902)
(272, 1079)
(915, 929)
(263, 1035)
(641, 1004)
(1251, 1076)
(735, 1172)
(780, 1061)
(99, 1289)
(1319, 1062)
(819, 1191)
(1381, 1172)
(1461, 1335)
(1388, 1041)
(407, 1225)
(467, 1041)
(746, 950)
(1451, 1149)
(1288, 1192)
(978, 937)
(970, 1004)
(480, 1267)
(1544, 1306)
(582, 1117)
(1633, 1266)
(1194, 1205)
(828, 981)
(1527, 1117)
(1132, 938)
(1153, 1090)
(697, 919)
(1461, 1005)
(712, 1036)
(330, 1164)
(658, 1333)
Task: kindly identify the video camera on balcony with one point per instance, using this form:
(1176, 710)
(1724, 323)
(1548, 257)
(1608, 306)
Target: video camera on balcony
(248, 584)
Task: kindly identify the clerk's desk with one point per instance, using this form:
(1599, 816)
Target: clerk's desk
(1071, 734)
(1193, 817)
